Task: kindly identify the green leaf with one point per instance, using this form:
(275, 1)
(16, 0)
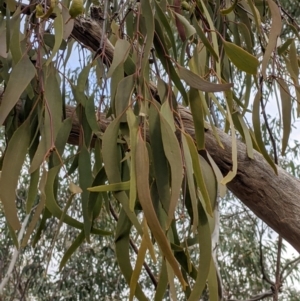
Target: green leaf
(242, 59)
(189, 29)
(191, 183)
(286, 104)
(112, 160)
(142, 169)
(273, 36)
(205, 256)
(148, 43)
(111, 187)
(13, 161)
(19, 79)
(121, 52)
(213, 282)
(32, 190)
(161, 17)
(173, 154)
(85, 181)
(53, 207)
(74, 246)
(133, 130)
(122, 252)
(257, 131)
(160, 162)
(198, 117)
(123, 96)
(197, 82)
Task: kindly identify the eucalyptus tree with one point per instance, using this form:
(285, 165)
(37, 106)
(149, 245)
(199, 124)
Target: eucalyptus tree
(170, 106)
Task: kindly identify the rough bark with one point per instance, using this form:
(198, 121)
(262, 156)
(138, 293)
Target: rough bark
(272, 198)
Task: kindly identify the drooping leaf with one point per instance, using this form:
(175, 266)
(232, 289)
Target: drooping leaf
(133, 129)
(257, 130)
(122, 241)
(111, 187)
(286, 104)
(273, 36)
(74, 246)
(242, 59)
(11, 167)
(19, 79)
(173, 154)
(120, 55)
(160, 162)
(195, 81)
(85, 181)
(142, 170)
(205, 255)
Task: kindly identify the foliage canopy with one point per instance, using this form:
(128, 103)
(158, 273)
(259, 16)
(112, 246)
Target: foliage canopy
(141, 63)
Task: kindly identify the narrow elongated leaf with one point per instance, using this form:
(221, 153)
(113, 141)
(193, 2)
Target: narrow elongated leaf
(74, 246)
(198, 117)
(111, 159)
(149, 22)
(32, 190)
(191, 183)
(205, 256)
(34, 220)
(188, 28)
(53, 207)
(203, 181)
(232, 173)
(213, 282)
(52, 118)
(19, 79)
(242, 59)
(111, 187)
(247, 135)
(274, 34)
(122, 252)
(162, 283)
(286, 104)
(161, 17)
(79, 89)
(85, 180)
(120, 55)
(142, 170)
(173, 154)
(139, 263)
(257, 131)
(12, 164)
(160, 162)
(123, 96)
(195, 81)
(133, 128)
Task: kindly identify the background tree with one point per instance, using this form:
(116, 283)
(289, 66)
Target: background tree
(156, 61)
